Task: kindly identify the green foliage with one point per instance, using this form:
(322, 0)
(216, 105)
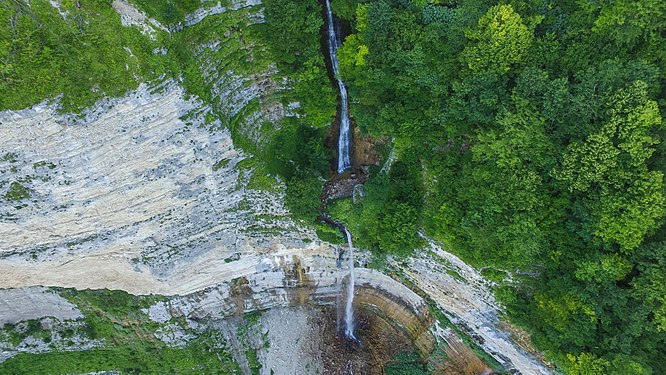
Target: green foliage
(292, 32)
(588, 364)
(328, 233)
(352, 57)
(500, 40)
(397, 228)
(539, 132)
(345, 9)
(16, 192)
(610, 166)
(297, 150)
(407, 364)
(170, 12)
(231, 31)
(389, 218)
(627, 22)
(86, 56)
(220, 164)
(303, 197)
(529, 140)
(293, 29)
(313, 91)
(185, 63)
(132, 359)
(129, 342)
(297, 154)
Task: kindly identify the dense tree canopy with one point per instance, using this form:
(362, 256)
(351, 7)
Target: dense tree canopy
(539, 131)
(500, 40)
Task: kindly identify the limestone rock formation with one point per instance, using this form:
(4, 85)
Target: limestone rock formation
(138, 195)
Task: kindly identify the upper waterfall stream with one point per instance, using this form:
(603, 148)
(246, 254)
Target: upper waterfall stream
(344, 140)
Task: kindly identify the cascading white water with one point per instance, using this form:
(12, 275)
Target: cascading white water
(344, 140)
(344, 163)
(349, 308)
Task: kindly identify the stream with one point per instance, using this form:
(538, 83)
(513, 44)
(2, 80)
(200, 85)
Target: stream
(344, 163)
(344, 140)
(349, 308)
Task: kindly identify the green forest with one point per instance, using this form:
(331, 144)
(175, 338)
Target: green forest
(528, 140)
(527, 134)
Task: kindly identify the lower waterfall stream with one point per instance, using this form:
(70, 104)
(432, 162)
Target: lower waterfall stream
(349, 308)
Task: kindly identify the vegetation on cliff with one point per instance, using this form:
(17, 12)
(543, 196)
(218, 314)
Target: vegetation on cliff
(79, 51)
(123, 338)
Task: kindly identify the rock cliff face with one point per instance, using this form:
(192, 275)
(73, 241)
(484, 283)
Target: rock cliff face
(137, 195)
(465, 297)
(33, 303)
(237, 69)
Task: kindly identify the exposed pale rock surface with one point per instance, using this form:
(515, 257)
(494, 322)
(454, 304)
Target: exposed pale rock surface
(295, 342)
(132, 200)
(465, 296)
(130, 16)
(127, 198)
(198, 15)
(34, 303)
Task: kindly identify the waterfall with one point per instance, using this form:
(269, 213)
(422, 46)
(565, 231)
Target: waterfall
(344, 140)
(349, 309)
(344, 163)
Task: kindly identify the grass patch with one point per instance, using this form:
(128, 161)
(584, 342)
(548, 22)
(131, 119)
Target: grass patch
(494, 275)
(233, 258)
(170, 12)
(407, 364)
(260, 177)
(130, 345)
(455, 275)
(220, 164)
(132, 358)
(10, 157)
(84, 57)
(262, 180)
(326, 233)
(16, 333)
(43, 163)
(17, 192)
